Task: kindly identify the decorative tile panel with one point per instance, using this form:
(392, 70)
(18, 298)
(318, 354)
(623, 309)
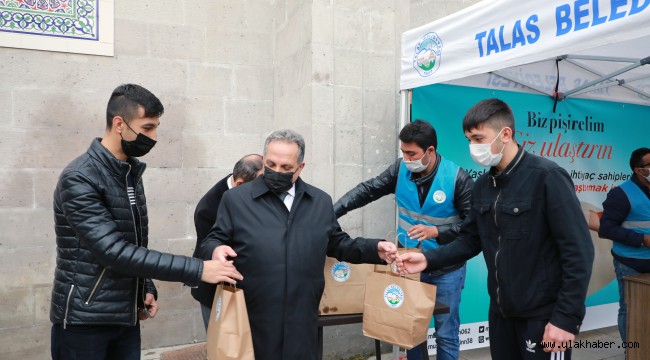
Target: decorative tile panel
(58, 25)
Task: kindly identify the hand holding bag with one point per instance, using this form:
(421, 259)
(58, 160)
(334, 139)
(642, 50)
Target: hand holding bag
(397, 310)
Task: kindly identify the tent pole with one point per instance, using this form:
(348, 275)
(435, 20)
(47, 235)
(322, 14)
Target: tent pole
(404, 118)
(404, 109)
(601, 58)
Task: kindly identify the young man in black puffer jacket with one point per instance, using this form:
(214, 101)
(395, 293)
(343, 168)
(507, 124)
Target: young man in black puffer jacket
(102, 281)
(527, 220)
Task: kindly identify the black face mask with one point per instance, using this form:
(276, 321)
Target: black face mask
(276, 181)
(138, 147)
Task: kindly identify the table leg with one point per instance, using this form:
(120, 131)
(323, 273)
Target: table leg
(378, 349)
(320, 343)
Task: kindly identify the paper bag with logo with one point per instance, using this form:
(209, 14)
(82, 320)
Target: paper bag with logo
(397, 310)
(229, 332)
(392, 268)
(345, 287)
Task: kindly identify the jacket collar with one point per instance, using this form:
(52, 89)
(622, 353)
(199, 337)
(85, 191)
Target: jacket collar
(504, 176)
(117, 167)
(260, 188)
(635, 179)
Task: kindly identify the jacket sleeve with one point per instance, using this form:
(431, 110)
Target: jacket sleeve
(150, 288)
(356, 251)
(466, 246)
(615, 209)
(204, 219)
(97, 231)
(221, 232)
(463, 203)
(368, 191)
(205, 216)
(568, 229)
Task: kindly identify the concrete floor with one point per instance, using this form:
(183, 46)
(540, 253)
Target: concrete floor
(605, 334)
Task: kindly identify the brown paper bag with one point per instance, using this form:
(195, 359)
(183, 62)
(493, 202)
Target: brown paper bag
(397, 310)
(345, 287)
(392, 268)
(229, 332)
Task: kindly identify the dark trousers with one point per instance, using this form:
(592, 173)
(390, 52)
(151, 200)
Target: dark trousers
(520, 339)
(95, 342)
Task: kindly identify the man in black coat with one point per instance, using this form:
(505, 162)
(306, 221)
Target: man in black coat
(527, 220)
(246, 169)
(279, 229)
(102, 280)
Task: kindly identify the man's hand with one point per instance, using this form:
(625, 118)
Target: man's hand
(215, 271)
(411, 263)
(646, 240)
(559, 339)
(387, 251)
(222, 252)
(150, 308)
(421, 232)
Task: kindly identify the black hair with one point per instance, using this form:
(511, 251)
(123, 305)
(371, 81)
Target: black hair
(636, 160)
(421, 133)
(126, 100)
(493, 113)
(247, 167)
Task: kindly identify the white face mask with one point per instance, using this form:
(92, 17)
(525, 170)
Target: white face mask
(416, 166)
(647, 177)
(482, 153)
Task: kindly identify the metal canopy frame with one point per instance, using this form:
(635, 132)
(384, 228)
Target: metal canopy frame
(603, 80)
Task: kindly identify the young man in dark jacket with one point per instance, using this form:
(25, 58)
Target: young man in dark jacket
(527, 220)
(102, 281)
(433, 198)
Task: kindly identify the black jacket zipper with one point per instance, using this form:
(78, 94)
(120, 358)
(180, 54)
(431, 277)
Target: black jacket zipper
(67, 307)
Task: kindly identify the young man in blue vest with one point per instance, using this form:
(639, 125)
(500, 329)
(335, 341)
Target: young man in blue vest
(527, 221)
(433, 199)
(626, 221)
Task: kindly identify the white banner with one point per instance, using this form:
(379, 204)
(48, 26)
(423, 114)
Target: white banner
(497, 34)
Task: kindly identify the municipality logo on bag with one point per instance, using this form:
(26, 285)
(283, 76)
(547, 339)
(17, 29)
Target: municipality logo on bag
(341, 271)
(217, 309)
(393, 296)
(428, 54)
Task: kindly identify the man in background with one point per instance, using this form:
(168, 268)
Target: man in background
(246, 169)
(626, 221)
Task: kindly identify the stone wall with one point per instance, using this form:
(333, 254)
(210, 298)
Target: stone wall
(228, 73)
